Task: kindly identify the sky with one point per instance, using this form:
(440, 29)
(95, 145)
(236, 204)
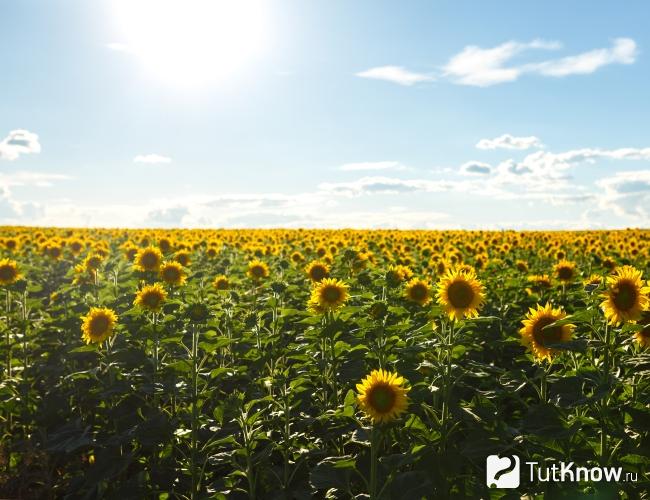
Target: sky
(286, 113)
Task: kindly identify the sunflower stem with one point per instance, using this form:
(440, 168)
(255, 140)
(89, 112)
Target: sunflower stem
(154, 321)
(375, 442)
(605, 402)
(543, 389)
(195, 414)
(154, 379)
(25, 383)
(9, 417)
(8, 336)
(447, 380)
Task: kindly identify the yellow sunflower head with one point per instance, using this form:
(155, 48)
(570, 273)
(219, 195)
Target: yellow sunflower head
(150, 297)
(626, 296)
(221, 283)
(183, 258)
(297, 257)
(92, 262)
(148, 259)
(54, 250)
(164, 244)
(76, 246)
(538, 337)
(11, 244)
(172, 273)
(317, 271)
(130, 251)
(593, 281)
(258, 270)
(98, 324)
(460, 294)
(328, 295)
(397, 274)
(565, 270)
(522, 266)
(419, 291)
(9, 272)
(609, 263)
(382, 396)
(540, 281)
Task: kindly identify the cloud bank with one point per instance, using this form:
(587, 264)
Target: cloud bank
(19, 142)
(483, 67)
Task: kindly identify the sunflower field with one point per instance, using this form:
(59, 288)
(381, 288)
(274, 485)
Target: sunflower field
(298, 364)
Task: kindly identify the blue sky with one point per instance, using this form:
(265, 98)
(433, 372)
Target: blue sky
(324, 114)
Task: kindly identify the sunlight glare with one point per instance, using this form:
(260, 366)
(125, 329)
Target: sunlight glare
(193, 42)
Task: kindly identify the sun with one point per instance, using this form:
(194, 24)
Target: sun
(192, 42)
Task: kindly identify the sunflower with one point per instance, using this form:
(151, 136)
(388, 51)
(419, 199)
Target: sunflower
(92, 262)
(522, 266)
(419, 291)
(148, 259)
(383, 396)
(98, 324)
(297, 257)
(11, 244)
(317, 271)
(609, 263)
(328, 295)
(593, 281)
(540, 280)
(643, 335)
(54, 250)
(130, 251)
(565, 270)
(165, 245)
(172, 273)
(183, 258)
(258, 270)
(84, 276)
(76, 246)
(151, 297)
(197, 312)
(535, 335)
(397, 274)
(626, 297)
(221, 282)
(9, 272)
(460, 294)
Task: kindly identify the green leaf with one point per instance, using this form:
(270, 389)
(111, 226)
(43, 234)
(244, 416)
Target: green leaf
(333, 473)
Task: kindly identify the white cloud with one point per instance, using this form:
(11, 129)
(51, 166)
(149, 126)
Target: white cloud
(627, 193)
(373, 165)
(546, 171)
(484, 67)
(392, 185)
(19, 142)
(118, 47)
(13, 211)
(475, 168)
(544, 162)
(152, 158)
(30, 179)
(396, 74)
(623, 51)
(507, 141)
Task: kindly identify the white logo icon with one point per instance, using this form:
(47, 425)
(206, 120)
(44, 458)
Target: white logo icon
(502, 472)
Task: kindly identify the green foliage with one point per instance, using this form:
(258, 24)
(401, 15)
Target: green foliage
(257, 398)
